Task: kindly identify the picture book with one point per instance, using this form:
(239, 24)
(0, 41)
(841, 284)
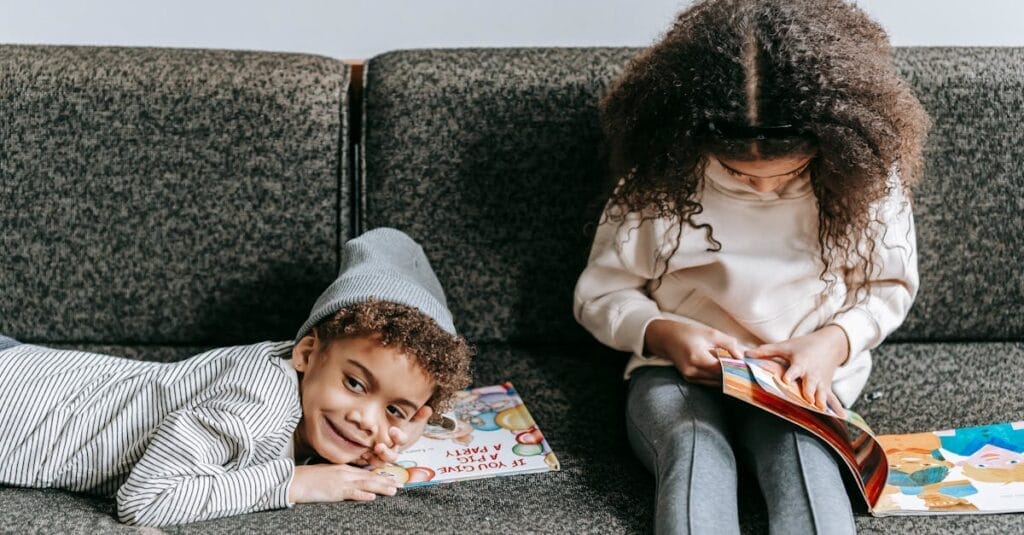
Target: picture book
(955, 471)
(487, 433)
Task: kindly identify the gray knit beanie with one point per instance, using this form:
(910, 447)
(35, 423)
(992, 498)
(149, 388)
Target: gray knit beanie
(387, 265)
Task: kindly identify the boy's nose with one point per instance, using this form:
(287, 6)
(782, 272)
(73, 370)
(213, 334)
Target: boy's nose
(365, 423)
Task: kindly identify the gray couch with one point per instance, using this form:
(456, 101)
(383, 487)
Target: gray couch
(157, 202)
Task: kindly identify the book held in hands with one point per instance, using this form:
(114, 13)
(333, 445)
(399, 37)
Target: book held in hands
(969, 470)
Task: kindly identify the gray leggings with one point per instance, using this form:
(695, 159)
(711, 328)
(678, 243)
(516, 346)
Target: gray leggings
(7, 343)
(686, 435)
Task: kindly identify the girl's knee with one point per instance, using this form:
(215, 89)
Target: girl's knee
(680, 439)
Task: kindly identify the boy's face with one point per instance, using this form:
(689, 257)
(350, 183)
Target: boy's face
(353, 391)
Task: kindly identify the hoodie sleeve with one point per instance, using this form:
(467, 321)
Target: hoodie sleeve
(611, 299)
(894, 280)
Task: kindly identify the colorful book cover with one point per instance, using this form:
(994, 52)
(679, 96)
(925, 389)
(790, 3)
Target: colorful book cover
(487, 433)
(956, 471)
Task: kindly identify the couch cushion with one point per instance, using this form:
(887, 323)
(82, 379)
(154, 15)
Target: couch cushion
(921, 387)
(167, 196)
(491, 158)
(576, 396)
(969, 210)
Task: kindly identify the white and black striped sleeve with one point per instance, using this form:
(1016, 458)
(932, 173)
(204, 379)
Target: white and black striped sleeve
(198, 466)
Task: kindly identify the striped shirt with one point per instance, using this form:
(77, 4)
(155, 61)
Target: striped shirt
(179, 442)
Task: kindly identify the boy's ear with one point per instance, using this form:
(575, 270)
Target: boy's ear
(302, 351)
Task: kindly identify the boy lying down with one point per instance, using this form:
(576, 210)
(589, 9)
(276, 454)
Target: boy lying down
(242, 429)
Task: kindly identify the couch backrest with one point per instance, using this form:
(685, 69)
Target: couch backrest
(167, 196)
(969, 210)
(490, 157)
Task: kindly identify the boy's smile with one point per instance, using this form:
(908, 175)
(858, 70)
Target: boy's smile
(353, 391)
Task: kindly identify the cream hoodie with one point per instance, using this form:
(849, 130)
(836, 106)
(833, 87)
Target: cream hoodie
(763, 286)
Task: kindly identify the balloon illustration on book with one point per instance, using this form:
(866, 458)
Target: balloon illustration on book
(406, 472)
(488, 412)
(530, 436)
(488, 432)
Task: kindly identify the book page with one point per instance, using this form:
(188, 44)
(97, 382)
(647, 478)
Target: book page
(966, 470)
(487, 433)
(770, 378)
(849, 436)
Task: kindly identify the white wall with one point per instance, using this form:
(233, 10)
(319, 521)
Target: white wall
(362, 28)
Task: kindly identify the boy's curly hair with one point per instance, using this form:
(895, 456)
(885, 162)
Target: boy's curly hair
(822, 66)
(445, 357)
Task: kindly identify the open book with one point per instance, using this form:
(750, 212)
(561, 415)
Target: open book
(954, 471)
(487, 433)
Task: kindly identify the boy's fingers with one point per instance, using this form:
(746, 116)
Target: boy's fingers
(385, 453)
(398, 436)
(385, 486)
(357, 495)
(422, 415)
(371, 481)
(353, 473)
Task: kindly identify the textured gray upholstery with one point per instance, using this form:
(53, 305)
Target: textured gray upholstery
(153, 218)
(489, 157)
(167, 196)
(969, 210)
(576, 396)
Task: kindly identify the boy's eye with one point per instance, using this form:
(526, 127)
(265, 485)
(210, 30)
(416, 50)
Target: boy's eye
(396, 412)
(354, 384)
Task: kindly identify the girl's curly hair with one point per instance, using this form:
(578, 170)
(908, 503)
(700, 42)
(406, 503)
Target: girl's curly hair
(823, 67)
(444, 356)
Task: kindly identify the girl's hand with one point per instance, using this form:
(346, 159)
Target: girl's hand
(337, 482)
(812, 361)
(692, 348)
(383, 454)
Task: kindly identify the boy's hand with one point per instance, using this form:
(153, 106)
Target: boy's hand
(383, 454)
(812, 360)
(692, 348)
(337, 482)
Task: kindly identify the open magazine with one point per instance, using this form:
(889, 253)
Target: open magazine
(487, 433)
(956, 471)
